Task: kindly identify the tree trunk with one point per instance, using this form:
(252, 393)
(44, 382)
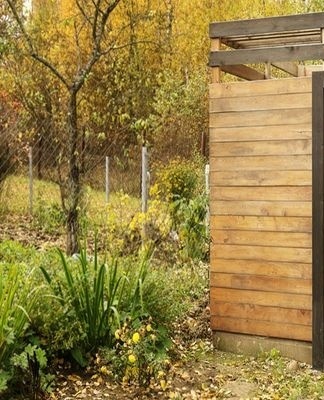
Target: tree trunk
(74, 187)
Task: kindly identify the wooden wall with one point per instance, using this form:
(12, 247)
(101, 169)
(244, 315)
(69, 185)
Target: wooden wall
(260, 202)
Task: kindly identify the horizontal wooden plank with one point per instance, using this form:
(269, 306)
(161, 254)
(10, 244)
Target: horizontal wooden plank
(261, 282)
(271, 224)
(253, 312)
(270, 86)
(282, 39)
(261, 298)
(261, 102)
(269, 25)
(267, 208)
(267, 54)
(260, 178)
(257, 238)
(255, 163)
(268, 193)
(265, 253)
(256, 133)
(261, 148)
(262, 328)
(258, 118)
(267, 268)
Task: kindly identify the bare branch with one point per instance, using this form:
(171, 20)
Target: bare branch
(84, 14)
(32, 50)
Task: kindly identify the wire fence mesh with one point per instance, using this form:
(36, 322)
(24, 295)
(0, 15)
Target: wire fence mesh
(33, 155)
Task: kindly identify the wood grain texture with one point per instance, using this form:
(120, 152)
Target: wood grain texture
(261, 298)
(270, 193)
(270, 54)
(271, 314)
(259, 163)
(271, 224)
(261, 207)
(266, 268)
(255, 282)
(268, 25)
(265, 253)
(257, 238)
(261, 102)
(266, 208)
(265, 87)
(266, 148)
(258, 118)
(263, 132)
(260, 178)
(262, 328)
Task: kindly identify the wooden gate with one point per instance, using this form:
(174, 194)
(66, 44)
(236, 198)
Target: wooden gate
(261, 185)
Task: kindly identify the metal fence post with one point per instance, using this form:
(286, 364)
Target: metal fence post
(30, 157)
(144, 178)
(107, 179)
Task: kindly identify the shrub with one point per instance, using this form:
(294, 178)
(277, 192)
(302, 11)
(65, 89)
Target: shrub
(191, 225)
(177, 180)
(94, 297)
(140, 352)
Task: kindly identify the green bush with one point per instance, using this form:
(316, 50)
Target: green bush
(177, 180)
(191, 225)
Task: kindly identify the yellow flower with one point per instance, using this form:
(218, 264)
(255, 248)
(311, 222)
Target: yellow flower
(104, 370)
(117, 334)
(163, 384)
(136, 337)
(149, 327)
(131, 358)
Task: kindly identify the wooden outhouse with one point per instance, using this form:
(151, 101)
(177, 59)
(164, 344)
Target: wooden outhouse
(266, 180)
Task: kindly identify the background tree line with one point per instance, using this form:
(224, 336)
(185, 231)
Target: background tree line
(101, 77)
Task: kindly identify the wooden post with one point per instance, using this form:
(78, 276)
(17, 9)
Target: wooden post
(318, 218)
(30, 158)
(267, 72)
(215, 72)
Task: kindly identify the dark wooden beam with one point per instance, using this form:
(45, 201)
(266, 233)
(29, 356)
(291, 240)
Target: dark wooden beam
(267, 54)
(244, 72)
(318, 219)
(299, 22)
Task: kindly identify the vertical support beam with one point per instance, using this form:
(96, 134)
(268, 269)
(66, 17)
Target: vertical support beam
(318, 218)
(267, 72)
(215, 71)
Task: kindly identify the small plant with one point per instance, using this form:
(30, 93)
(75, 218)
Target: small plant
(16, 302)
(95, 296)
(140, 353)
(30, 366)
(193, 232)
(49, 217)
